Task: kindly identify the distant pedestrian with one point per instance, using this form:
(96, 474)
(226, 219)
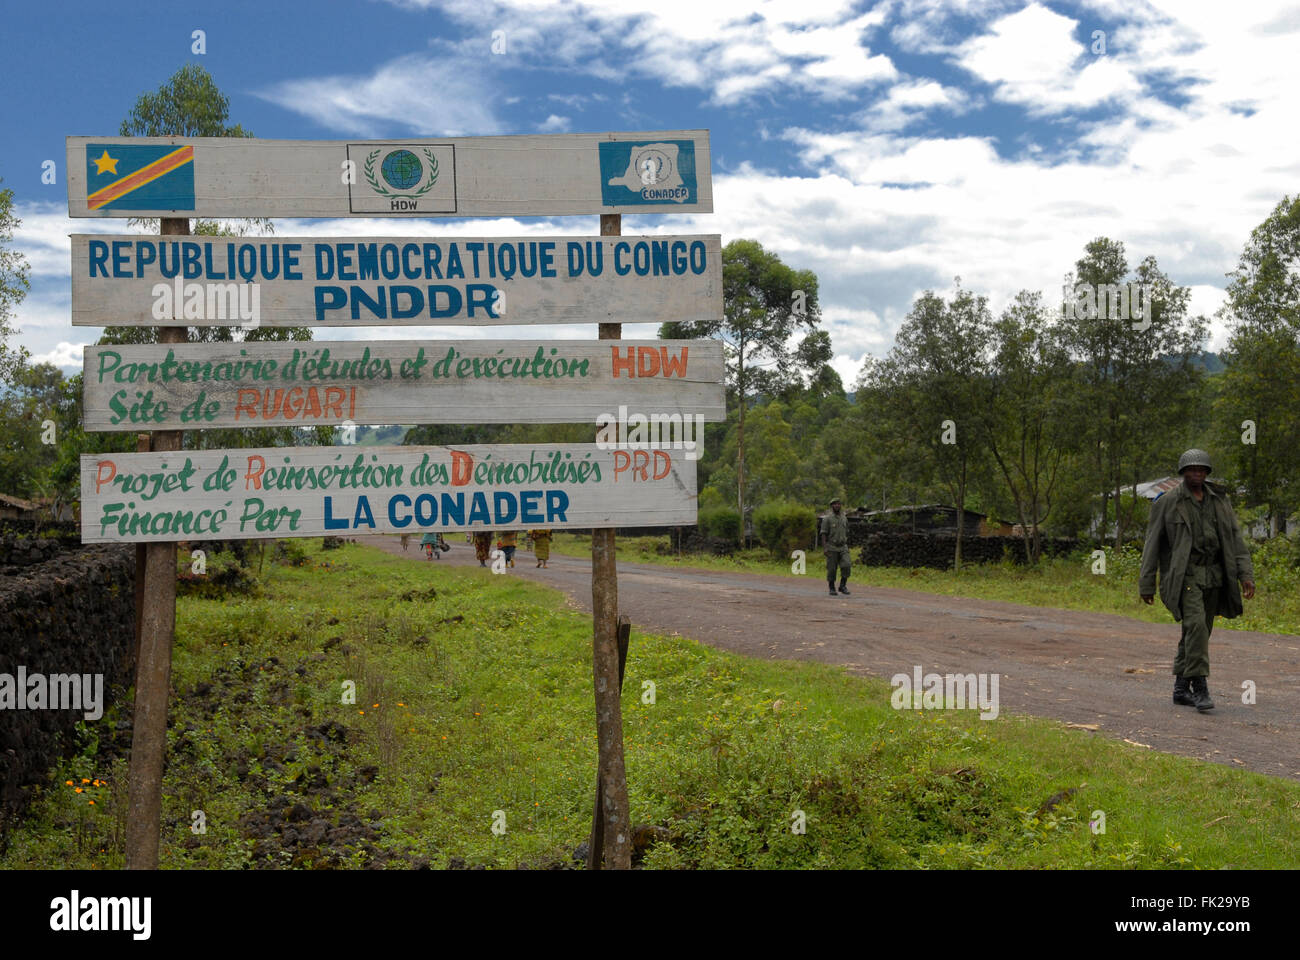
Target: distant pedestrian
(542, 546)
(406, 542)
(433, 545)
(507, 544)
(835, 533)
(1194, 541)
(482, 546)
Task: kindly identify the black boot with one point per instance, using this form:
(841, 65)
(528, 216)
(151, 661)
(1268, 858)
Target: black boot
(843, 589)
(831, 585)
(1182, 693)
(1200, 693)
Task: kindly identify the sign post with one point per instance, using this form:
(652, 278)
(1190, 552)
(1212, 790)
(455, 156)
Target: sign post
(154, 664)
(613, 810)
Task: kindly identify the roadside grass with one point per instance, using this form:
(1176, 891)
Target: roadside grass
(463, 724)
(1066, 583)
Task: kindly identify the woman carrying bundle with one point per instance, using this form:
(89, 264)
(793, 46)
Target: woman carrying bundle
(542, 546)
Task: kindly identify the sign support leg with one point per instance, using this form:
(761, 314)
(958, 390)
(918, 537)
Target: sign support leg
(612, 775)
(154, 662)
(141, 446)
(596, 843)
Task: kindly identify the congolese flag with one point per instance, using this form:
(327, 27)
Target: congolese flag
(144, 177)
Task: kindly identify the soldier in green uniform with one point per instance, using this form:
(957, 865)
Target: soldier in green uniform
(1195, 543)
(835, 534)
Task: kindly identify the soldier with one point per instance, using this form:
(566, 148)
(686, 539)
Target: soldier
(1194, 540)
(835, 532)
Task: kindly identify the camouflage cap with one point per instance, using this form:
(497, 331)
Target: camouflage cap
(837, 500)
(1194, 458)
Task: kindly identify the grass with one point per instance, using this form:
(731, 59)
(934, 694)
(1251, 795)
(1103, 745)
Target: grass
(1066, 583)
(460, 724)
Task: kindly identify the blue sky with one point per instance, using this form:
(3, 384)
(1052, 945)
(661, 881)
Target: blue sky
(889, 146)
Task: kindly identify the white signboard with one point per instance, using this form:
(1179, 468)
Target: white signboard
(663, 171)
(357, 281)
(308, 384)
(347, 491)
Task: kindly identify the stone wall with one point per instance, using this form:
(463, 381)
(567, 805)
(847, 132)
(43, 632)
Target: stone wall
(936, 550)
(63, 609)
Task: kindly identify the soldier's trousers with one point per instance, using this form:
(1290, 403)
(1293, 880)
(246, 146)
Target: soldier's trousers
(837, 557)
(1199, 607)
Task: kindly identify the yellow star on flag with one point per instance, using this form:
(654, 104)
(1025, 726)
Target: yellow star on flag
(105, 163)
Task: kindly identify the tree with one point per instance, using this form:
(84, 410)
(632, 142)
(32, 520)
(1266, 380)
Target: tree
(28, 407)
(765, 303)
(1023, 422)
(1135, 377)
(1262, 380)
(932, 389)
(778, 464)
(14, 271)
(191, 105)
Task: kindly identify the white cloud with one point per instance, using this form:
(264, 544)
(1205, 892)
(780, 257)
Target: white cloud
(912, 99)
(731, 50)
(65, 355)
(1033, 58)
(554, 124)
(410, 95)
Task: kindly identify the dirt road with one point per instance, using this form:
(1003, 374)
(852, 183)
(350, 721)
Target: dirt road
(1064, 664)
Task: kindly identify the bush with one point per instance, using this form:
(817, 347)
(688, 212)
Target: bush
(783, 526)
(289, 553)
(722, 523)
(224, 574)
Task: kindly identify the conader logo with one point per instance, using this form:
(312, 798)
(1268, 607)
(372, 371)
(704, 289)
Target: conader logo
(58, 691)
(959, 691)
(76, 913)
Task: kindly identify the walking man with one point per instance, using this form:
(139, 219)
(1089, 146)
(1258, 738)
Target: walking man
(1194, 541)
(835, 533)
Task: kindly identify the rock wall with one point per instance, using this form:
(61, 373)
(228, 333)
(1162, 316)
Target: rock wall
(936, 550)
(63, 609)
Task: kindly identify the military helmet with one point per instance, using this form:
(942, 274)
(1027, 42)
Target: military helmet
(1194, 458)
(837, 500)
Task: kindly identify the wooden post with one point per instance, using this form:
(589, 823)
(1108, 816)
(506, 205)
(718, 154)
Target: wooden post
(141, 446)
(596, 842)
(611, 780)
(154, 662)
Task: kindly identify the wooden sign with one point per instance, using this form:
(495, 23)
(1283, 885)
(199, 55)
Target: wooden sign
(358, 281)
(307, 384)
(550, 175)
(346, 491)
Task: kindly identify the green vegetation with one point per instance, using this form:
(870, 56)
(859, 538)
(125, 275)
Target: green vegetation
(1066, 583)
(784, 527)
(474, 695)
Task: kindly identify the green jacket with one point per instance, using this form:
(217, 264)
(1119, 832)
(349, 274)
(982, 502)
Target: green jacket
(1169, 544)
(835, 531)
